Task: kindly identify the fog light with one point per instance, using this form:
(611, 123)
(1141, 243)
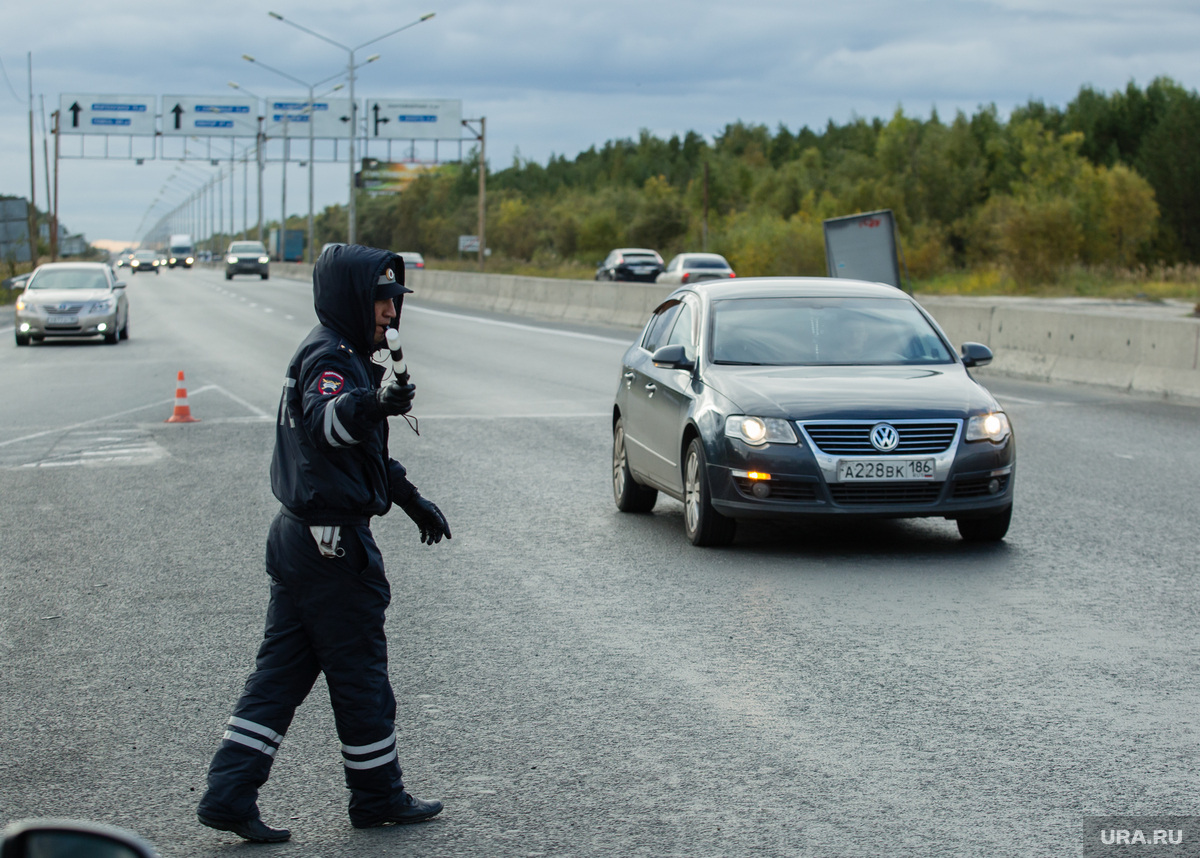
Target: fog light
(761, 490)
(101, 327)
(993, 486)
(24, 327)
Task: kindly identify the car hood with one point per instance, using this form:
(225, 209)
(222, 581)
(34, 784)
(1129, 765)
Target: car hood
(849, 393)
(65, 296)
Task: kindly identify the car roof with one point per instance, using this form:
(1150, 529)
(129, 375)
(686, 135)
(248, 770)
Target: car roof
(699, 255)
(786, 287)
(81, 265)
(635, 250)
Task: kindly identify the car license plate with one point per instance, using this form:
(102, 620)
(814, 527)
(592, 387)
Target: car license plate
(883, 470)
(62, 320)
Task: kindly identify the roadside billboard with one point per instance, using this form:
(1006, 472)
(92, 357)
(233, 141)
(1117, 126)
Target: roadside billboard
(863, 247)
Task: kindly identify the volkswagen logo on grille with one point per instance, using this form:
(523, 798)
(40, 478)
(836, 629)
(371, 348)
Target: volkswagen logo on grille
(884, 437)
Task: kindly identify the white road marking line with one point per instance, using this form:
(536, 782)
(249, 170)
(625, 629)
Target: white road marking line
(574, 416)
(520, 327)
(106, 417)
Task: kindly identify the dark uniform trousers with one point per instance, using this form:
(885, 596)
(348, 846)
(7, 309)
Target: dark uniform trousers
(325, 614)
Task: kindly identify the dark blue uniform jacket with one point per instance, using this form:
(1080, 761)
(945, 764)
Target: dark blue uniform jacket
(331, 464)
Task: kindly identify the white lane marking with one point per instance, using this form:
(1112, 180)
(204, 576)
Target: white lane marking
(258, 413)
(520, 327)
(571, 416)
(253, 409)
(94, 420)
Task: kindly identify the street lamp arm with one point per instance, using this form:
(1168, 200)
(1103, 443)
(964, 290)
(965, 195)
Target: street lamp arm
(420, 20)
(326, 39)
(251, 59)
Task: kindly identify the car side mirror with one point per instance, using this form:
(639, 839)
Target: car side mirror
(33, 838)
(673, 356)
(120, 284)
(976, 354)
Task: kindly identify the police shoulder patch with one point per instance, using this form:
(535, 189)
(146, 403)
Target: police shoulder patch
(331, 383)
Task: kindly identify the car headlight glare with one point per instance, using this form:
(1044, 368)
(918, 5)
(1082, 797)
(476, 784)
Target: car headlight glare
(992, 427)
(757, 431)
(232, 260)
(264, 259)
(20, 304)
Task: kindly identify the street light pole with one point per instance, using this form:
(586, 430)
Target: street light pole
(352, 226)
(311, 110)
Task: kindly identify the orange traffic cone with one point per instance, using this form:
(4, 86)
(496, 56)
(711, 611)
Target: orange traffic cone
(183, 411)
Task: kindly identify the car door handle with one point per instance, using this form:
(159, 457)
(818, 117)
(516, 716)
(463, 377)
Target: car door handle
(629, 376)
(651, 388)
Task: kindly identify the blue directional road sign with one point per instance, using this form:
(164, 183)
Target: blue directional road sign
(415, 119)
(209, 116)
(330, 117)
(132, 115)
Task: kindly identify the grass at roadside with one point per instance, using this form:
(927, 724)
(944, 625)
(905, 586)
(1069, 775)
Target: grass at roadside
(1178, 283)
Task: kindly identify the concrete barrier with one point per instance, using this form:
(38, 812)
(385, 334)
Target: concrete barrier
(1129, 345)
(1123, 344)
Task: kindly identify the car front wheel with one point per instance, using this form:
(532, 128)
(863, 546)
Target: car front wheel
(22, 339)
(703, 525)
(630, 496)
(989, 529)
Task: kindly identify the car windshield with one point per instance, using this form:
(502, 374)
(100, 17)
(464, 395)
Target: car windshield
(247, 247)
(826, 331)
(69, 279)
(705, 263)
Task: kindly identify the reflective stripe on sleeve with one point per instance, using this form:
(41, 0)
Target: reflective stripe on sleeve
(335, 432)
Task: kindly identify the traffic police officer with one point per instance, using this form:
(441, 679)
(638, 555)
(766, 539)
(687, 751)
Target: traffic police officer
(332, 472)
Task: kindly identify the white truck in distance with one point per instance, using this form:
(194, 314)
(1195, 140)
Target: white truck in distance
(181, 251)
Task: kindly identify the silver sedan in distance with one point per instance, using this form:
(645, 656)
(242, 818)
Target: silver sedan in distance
(72, 299)
(694, 267)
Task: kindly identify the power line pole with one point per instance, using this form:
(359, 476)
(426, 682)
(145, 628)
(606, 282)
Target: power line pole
(32, 174)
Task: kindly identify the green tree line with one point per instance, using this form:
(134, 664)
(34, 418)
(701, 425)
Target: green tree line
(1111, 180)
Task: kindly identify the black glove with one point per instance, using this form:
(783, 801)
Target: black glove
(428, 517)
(394, 399)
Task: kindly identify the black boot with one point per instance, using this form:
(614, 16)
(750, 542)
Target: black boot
(403, 809)
(254, 830)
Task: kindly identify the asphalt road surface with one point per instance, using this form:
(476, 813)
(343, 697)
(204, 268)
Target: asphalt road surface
(571, 680)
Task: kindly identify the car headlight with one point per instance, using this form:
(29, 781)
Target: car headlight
(20, 303)
(101, 306)
(264, 259)
(232, 260)
(757, 431)
(992, 427)
(135, 263)
(189, 260)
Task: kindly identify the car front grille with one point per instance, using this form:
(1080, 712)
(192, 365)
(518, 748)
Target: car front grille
(62, 309)
(854, 439)
(885, 493)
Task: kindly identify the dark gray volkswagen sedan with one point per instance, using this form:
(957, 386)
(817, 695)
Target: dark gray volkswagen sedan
(790, 398)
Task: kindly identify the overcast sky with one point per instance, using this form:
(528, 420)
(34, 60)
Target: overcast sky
(558, 77)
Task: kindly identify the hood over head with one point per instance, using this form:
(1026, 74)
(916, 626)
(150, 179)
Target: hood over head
(347, 281)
